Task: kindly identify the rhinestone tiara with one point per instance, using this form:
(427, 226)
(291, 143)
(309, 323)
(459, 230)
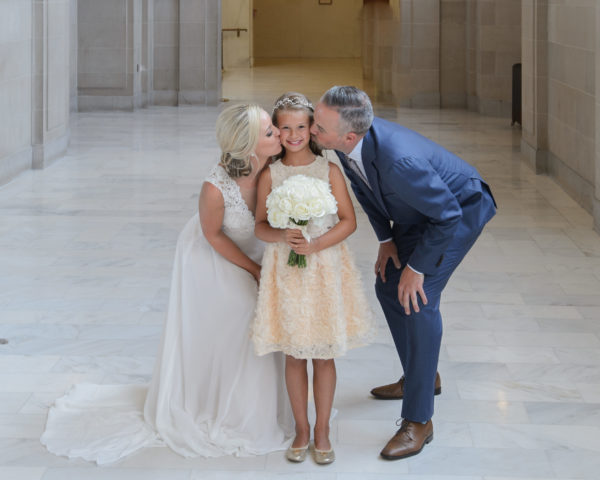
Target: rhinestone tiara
(292, 102)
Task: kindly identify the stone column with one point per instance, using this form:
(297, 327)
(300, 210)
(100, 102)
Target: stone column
(453, 51)
(50, 86)
(199, 52)
(147, 62)
(534, 141)
(416, 71)
(165, 52)
(73, 56)
(596, 199)
(379, 27)
(15, 88)
(494, 45)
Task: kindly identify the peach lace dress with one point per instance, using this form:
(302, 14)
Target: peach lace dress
(315, 312)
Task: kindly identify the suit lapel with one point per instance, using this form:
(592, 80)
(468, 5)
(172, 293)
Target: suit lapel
(368, 158)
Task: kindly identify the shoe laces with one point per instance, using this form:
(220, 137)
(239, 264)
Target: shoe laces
(403, 424)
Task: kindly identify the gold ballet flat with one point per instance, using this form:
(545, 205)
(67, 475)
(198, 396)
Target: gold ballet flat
(296, 454)
(324, 457)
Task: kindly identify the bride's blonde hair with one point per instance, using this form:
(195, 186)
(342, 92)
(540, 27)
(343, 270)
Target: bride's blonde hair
(238, 132)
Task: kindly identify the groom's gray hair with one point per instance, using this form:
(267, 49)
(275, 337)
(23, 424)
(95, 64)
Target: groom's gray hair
(354, 107)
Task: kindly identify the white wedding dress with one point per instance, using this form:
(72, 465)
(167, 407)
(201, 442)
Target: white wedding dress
(210, 395)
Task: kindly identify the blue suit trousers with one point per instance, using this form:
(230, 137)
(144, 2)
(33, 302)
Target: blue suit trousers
(418, 336)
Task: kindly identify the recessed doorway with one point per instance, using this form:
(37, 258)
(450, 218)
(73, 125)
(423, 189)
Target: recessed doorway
(270, 47)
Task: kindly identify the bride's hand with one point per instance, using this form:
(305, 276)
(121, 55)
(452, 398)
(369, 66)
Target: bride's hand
(256, 274)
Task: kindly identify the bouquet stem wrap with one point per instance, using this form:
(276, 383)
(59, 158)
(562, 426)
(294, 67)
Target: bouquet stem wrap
(295, 259)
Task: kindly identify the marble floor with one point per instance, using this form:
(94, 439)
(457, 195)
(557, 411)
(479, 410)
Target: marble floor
(85, 255)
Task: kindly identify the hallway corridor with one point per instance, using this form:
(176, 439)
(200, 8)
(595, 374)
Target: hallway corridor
(86, 249)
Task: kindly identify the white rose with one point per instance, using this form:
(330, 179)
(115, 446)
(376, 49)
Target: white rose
(277, 219)
(285, 205)
(317, 206)
(272, 199)
(296, 192)
(301, 211)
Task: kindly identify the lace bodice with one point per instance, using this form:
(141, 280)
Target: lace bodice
(238, 221)
(318, 169)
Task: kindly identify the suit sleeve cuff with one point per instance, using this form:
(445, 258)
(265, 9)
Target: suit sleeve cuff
(386, 240)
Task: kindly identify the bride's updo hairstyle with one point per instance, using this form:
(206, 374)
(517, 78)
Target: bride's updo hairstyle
(294, 101)
(238, 132)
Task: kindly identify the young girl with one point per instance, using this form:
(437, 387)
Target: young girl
(317, 312)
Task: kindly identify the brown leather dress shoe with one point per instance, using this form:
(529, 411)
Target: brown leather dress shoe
(395, 391)
(409, 440)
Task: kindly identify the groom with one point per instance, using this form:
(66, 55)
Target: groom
(427, 207)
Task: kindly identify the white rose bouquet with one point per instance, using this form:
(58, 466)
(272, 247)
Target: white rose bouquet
(297, 200)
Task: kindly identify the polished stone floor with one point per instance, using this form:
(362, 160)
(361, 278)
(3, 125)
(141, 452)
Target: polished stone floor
(85, 255)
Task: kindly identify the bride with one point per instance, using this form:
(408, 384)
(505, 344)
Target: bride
(210, 395)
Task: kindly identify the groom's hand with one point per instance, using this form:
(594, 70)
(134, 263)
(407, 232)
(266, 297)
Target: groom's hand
(387, 250)
(409, 286)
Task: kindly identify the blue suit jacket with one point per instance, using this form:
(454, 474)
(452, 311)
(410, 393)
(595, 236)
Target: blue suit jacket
(421, 188)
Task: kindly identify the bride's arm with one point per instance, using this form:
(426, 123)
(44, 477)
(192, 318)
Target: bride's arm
(211, 209)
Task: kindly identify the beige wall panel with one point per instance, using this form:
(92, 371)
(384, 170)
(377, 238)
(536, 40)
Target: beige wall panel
(165, 34)
(165, 79)
(102, 61)
(166, 58)
(58, 79)
(572, 23)
(236, 48)
(192, 79)
(15, 117)
(192, 58)
(572, 94)
(165, 55)
(16, 77)
(195, 10)
(305, 29)
(596, 199)
(424, 10)
(167, 10)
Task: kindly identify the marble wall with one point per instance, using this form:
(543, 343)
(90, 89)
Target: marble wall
(15, 87)
(379, 36)
(34, 83)
(497, 46)
(109, 54)
(417, 58)
(305, 29)
(560, 95)
(596, 199)
(199, 52)
(50, 82)
(453, 53)
(571, 96)
(132, 53)
(237, 48)
(534, 106)
(73, 56)
(166, 52)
